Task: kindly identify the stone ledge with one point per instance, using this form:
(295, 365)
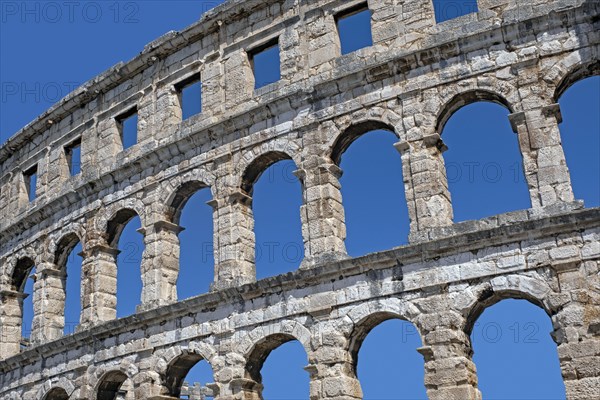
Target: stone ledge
(397, 257)
(495, 221)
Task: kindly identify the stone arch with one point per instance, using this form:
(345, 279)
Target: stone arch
(459, 100)
(13, 270)
(110, 384)
(107, 380)
(56, 394)
(52, 388)
(344, 130)
(565, 73)
(365, 317)
(258, 166)
(180, 197)
(119, 213)
(182, 187)
(22, 268)
(176, 364)
(255, 161)
(116, 224)
(253, 170)
(260, 342)
(353, 132)
(63, 241)
(517, 287)
(63, 247)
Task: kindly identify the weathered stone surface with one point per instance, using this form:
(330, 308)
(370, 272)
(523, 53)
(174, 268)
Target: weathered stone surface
(522, 55)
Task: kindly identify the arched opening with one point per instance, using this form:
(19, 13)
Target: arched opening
(372, 187)
(115, 386)
(57, 394)
(484, 166)
(580, 136)
(68, 259)
(276, 200)
(123, 235)
(189, 377)
(196, 259)
(386, 361)
(23, 281)
(276, 367)
(515, 355)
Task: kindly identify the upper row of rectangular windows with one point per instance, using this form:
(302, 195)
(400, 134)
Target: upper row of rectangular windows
(354, 31)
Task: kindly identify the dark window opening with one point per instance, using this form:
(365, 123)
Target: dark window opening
(190, 96)
(128, 123)
(354, 28)
(31, 182)
(266, 64)
(73, 153)
(450, 9)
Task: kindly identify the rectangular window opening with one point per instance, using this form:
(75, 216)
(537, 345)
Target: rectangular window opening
(30, 177)
(73, 153)
(450, 9)
(354, 28)
(128, 123)
(265, 63)
(190, 96)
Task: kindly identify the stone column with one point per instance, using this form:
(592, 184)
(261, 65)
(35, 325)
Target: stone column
(544, 161)
(426, 185)
(331, 370)
(450, 373)
(577, 328)
(322, 213)
(231, 380)
(243, 389)
(234, 239)
(239, 81)
(99, 292)
(11, 322)
(48, 304)
(160, 264)
(579, 351)
(321, 38)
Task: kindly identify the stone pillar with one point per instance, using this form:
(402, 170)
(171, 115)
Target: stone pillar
(322, 40)
(11, 322)
(322, 214)
(48, 304)
(544, 161)
(99, 292)
(231, 381)
(239, 84)
(426, 185)
(331, 370)
(160, 264)
(168, 110)
(243, 389)
(577, 328)
(234, 239)
(450, 373)
(578, 343)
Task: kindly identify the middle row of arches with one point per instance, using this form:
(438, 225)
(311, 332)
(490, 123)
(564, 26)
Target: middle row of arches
(272, 189)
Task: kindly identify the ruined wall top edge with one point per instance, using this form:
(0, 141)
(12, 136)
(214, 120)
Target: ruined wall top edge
(267, 14)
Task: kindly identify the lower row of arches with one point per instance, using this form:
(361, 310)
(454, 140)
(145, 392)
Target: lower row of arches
(513, 351)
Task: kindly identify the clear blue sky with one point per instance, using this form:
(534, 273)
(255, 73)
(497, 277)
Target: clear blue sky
(46, 52)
